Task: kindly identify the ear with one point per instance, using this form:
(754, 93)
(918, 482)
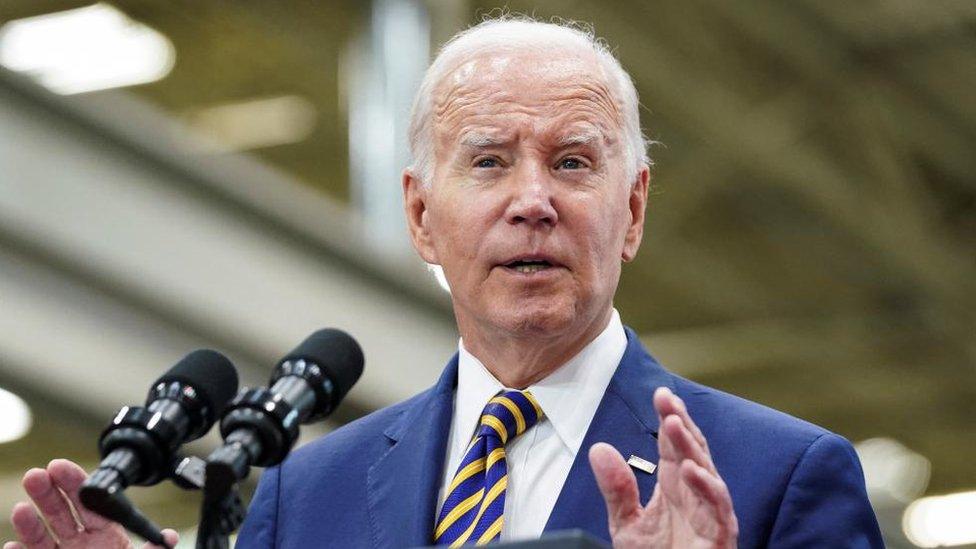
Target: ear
(418, 222)
(638, 204)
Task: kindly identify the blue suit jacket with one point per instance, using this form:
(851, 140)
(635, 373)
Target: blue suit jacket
(374, 482)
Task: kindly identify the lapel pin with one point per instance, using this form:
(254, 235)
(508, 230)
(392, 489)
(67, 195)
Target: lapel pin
(641, 464)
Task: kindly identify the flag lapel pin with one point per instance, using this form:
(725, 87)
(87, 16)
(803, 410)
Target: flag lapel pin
(641, 464)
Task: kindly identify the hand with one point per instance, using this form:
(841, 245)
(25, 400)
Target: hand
(691, 506)
(54, 492)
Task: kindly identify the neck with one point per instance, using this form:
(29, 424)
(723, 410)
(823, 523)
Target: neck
(519, 360)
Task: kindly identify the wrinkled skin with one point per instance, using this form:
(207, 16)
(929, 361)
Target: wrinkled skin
(530, 163)
(54, 493)
(691, 506)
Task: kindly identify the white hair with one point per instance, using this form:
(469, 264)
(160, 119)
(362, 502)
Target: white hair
(509, 32)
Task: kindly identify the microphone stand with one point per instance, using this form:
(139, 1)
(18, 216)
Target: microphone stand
(118, 508)
(220, 516)
(222, 511)
(260, 427)
(107, 499)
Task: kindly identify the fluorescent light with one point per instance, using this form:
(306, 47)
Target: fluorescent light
(85, 49)
(891, 470)
(15, 417)
(941, 521)
(254, 123)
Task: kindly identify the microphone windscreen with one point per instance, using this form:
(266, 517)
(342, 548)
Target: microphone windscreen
(337, 353)
(210, 373)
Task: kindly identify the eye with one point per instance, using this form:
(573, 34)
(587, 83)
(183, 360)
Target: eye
(486, 162)
(571, 163)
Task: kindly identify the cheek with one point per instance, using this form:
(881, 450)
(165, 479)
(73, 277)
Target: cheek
(467, 216)
(605, 231)
(456, 234)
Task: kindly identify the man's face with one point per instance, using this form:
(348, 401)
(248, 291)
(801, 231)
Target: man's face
(533, 202)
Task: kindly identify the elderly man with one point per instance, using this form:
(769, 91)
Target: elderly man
(528, 188)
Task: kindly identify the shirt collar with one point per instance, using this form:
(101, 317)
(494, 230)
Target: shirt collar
(569, 396)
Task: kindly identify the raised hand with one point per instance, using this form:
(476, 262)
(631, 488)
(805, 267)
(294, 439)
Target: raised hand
(54, 492)
(691, 506)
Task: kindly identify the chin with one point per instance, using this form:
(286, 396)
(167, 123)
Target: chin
(541, 319)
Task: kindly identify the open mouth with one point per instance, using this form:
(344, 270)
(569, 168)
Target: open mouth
(528, 266)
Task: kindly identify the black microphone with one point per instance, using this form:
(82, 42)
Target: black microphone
(261, 425)
(139, 445)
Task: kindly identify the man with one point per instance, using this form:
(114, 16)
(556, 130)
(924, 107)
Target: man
(528, 188)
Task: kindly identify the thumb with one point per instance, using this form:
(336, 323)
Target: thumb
(617, 483)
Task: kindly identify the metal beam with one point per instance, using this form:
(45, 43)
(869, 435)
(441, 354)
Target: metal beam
(133, 257)
(762, 146)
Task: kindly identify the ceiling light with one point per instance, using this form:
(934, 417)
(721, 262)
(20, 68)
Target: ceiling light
(85, 49)
(254, 123)
(892, 471)
(941, 521)
(15, 417)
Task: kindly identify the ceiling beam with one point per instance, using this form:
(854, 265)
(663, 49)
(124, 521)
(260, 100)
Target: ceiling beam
(765, 146)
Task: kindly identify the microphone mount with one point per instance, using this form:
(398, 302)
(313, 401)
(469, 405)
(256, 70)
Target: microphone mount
(261, 425)
(139, 436)
(140, 444)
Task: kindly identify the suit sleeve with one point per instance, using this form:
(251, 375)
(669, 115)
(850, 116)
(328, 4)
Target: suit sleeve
(260, 527)
(825, 503)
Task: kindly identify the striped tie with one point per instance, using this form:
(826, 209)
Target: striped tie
(475, 500)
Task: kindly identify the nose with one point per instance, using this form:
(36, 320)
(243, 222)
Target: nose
(532, 199)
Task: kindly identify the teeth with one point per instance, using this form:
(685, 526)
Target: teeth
(530, 268)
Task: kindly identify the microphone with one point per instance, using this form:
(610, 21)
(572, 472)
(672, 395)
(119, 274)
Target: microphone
(139, 445)
(260, 425)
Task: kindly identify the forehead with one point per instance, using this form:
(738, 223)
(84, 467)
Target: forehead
(548, 94)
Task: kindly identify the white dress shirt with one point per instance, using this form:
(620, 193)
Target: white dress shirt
(539, 459)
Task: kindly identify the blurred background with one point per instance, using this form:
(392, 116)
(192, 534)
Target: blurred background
(178, 174)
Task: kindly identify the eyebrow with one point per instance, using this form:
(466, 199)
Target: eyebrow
(481, 140)
(584, 138)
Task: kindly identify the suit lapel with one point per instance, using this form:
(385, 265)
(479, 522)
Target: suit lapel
(402, 485)
(627, 421)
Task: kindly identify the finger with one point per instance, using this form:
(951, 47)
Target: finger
(717, 516)
(667, 403)
(51, 504)
(681, 444)
(617, 483)
(171, 536)
(69, 477)
(29, 528)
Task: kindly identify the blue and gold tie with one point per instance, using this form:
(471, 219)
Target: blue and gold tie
(473, 510)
